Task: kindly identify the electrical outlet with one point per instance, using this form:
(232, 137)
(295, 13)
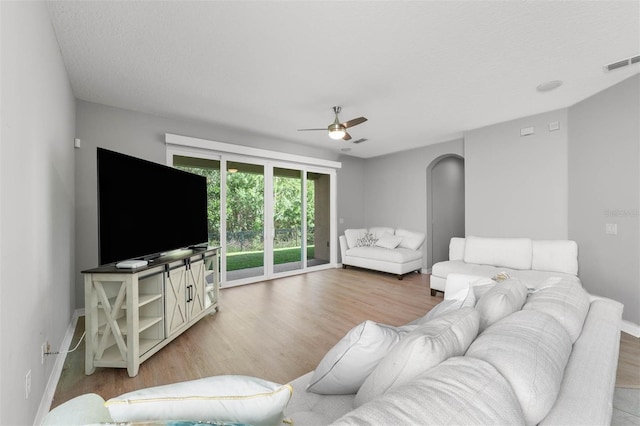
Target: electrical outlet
(27, 385)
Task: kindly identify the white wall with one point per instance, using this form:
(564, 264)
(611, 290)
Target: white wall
(517, 186)
(395, 187)
(604, 187)
(142, 135)
(37, 205)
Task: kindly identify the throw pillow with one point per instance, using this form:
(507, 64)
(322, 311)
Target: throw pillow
(352, 236)
(501, 300)
(367, 240)
(410, 240)
(566, 301)
(427, 346)
(531, 350)
(345, 367)
(388, 241)
(239, 399)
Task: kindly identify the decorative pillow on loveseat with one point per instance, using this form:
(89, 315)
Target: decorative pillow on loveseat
(345, 367)
(239, 399)
(428, 345)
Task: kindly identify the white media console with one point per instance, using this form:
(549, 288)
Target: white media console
(133, 313)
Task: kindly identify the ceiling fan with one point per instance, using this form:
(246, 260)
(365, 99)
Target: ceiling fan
(338, 130)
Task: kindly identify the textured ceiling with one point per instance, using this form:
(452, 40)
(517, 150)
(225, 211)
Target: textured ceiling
(422, 72)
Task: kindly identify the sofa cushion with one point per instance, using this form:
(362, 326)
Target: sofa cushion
(388, 241)
(456, 249)
(239, 399)
(513, 253)
(411, 240)
(555, 256)
(530, 349)
(353, 235)
(564, 300)
(397, 255)
(308, 408)
(459, 391)
(428, 345)
(345, 367)
(379, 231)
(501, 300)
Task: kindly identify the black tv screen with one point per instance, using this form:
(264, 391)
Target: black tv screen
(145, 208)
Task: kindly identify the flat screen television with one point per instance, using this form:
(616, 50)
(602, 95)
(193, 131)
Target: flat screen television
(146, 208)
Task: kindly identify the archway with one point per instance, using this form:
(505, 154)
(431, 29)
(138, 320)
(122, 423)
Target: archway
(445, 206)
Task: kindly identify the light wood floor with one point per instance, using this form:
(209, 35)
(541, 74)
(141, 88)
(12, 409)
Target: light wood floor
(279, 330)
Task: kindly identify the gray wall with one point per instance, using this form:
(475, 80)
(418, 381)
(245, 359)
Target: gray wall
(142, 135)
(517, 186)
(37, 205)
(604, 187)
(395, 192)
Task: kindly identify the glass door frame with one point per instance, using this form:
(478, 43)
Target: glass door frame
(268, 221)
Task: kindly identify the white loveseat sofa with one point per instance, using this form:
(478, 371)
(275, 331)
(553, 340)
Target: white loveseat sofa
(531, 260)
(395, 251)
(512, 356)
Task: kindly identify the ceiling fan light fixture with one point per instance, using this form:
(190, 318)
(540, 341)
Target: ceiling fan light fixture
(336, 131)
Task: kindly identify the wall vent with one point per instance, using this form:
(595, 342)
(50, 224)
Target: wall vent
(622, 63)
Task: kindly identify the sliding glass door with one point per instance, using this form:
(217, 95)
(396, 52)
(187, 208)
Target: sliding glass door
(245, 250)
(270, 219)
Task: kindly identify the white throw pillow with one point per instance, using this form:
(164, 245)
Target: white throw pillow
(566, 301)
(531, 350)
(388, 241)
(427, 346)
(410, 240)
(353, 235)
(239, 399)
(345, 367)
(501, 300)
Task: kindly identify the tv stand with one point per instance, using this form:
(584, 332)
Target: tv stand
(133, 313)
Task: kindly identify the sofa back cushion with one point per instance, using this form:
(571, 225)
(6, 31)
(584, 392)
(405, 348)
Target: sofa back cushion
(555, 256)
(353, 235)
(379, 231)
(425, 347)
(512, 253)
(456, 248)
(501, 300)
(564, 300)
(411, 240)
(530, 349)
(459, 391)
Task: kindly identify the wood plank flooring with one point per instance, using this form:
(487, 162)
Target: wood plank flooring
(279, 330)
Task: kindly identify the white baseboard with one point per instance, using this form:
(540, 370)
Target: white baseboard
(630, 328)
(50, 390)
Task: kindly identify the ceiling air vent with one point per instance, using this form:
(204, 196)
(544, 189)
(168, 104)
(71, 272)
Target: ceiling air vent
(622, 63)
(361, 140)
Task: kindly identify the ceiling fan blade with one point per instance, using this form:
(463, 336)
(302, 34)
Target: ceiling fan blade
(305, 130)
(354, 122)
(346, 136)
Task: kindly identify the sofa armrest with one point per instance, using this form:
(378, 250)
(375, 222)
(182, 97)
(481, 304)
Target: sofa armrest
(343, 247)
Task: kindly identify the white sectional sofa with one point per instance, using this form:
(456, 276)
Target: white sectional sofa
(530, 260)
(509, 354)
(395, 251)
